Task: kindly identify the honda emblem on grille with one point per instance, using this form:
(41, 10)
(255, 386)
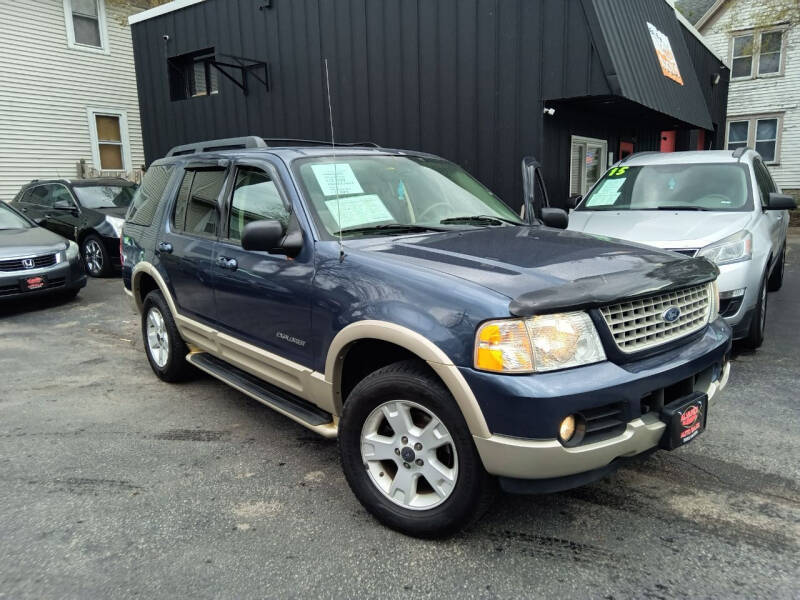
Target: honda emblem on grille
(671, 315)
(28, 263)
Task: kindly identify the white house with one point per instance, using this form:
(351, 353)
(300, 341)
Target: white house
(68, 99)
(761, 41)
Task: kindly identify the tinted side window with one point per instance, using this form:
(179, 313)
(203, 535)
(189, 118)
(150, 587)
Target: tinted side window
(765, 185)
(196, 210)
(60, 194)
(39, 195)
(255, 197)
(147, 198)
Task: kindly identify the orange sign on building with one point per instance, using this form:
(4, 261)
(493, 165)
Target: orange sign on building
(669, 66)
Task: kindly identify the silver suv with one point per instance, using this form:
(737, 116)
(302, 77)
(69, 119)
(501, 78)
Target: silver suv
(722, 205)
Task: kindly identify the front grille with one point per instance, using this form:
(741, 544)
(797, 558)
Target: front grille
(639, 324)
(18, 264)
(685, 251)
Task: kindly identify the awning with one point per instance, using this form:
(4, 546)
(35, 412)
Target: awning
(645, 58)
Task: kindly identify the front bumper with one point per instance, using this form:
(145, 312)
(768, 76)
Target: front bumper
(745, 275)
(507, 453)
(63, 276)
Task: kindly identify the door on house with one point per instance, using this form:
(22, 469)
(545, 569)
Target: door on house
(668, 141)
(588, 162)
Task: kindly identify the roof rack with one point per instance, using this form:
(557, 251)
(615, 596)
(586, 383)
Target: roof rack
(253, 141)
(637, 155)
(238, 143)
(320, 142)
(739, 152)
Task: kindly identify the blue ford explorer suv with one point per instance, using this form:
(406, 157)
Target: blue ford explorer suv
(390, 300)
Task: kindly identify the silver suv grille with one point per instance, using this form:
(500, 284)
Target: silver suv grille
(639, 324)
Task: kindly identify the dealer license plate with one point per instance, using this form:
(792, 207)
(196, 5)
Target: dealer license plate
(685, 419)
(32, 283)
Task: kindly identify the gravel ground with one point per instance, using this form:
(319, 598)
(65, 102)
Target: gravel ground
(116, 485)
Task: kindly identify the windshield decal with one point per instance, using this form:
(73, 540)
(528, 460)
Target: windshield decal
(337, 179)
(606, 193)
(356, 211)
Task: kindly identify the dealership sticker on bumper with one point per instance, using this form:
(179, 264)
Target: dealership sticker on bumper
(685, 419)
(32, 283)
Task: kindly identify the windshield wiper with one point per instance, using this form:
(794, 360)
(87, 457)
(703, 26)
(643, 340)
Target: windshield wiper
(682, 208)
(479, 219)
(393, 227)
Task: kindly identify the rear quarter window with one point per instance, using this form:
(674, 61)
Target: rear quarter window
(147, 198)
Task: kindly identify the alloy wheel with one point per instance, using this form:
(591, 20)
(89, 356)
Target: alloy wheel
(157, 337)
(409, 455)
(93, 256)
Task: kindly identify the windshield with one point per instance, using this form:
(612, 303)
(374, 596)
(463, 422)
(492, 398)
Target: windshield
(105, 196)
(10, 219)
(716, 187)
(383, 194)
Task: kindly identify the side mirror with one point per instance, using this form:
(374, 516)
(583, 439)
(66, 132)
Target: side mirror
(573, 201)
(270, 236)
(555, 217)
(781, 202)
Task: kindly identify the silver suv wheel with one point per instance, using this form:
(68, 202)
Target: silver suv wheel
(409, 455)
(157, 337)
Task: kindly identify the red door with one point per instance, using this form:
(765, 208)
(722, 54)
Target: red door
(668, 141)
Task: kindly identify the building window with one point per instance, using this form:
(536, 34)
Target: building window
(193, 75)
(588, 162)
(86, 24)
(108, 130)
(758, 53)
(761, 133)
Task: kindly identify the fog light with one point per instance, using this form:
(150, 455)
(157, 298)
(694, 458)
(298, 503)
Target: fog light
(567, 428)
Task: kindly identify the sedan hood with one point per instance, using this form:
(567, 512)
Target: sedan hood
(27, 242)
(661, 228)
(543, 269)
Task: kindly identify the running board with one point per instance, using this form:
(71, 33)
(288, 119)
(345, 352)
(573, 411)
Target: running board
(295, 408)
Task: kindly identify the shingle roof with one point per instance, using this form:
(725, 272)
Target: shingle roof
(693, 9)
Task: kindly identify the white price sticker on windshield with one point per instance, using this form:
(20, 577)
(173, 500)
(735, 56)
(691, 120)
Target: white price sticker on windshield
(337, 179)
(356, 211)
(607, 193)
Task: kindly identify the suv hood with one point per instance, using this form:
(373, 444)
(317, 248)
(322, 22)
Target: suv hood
(661, 228)
(26, 242)
(544, 269)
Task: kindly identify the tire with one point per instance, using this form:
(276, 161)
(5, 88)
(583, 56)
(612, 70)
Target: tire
(166, 351)
(463, 488)
(95, 257)
(776, 279)
(755, 335)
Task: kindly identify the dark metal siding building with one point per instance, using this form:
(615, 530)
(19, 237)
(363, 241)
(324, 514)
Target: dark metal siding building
(466, 79)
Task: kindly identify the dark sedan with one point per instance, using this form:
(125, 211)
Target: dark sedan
(36, 261)
(87, 211)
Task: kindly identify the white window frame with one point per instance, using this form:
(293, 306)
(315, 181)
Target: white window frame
(101, 22)
(91, 113)
(578, 139)
(756, 58)
(752, 129)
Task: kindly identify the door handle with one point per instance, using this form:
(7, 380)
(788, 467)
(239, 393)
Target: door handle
(227, 263)
(164, 247)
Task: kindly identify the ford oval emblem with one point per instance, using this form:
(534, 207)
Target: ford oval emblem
(672, 314)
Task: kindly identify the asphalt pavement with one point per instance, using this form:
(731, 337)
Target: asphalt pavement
(116, 485)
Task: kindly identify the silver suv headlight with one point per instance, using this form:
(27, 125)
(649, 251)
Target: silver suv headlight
(538, 344)
(732, 249)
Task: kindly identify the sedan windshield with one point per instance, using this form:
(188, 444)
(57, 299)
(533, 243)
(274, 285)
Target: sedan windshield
(10, 219)
(105, 196)
(387, 195)
(698, 187)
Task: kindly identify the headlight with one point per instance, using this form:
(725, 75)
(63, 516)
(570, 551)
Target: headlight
(70, 253)
(116, 223)
(543, 343)
(735, 248)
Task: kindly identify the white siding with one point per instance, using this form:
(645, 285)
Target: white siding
(766, 94)
(47, 87)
